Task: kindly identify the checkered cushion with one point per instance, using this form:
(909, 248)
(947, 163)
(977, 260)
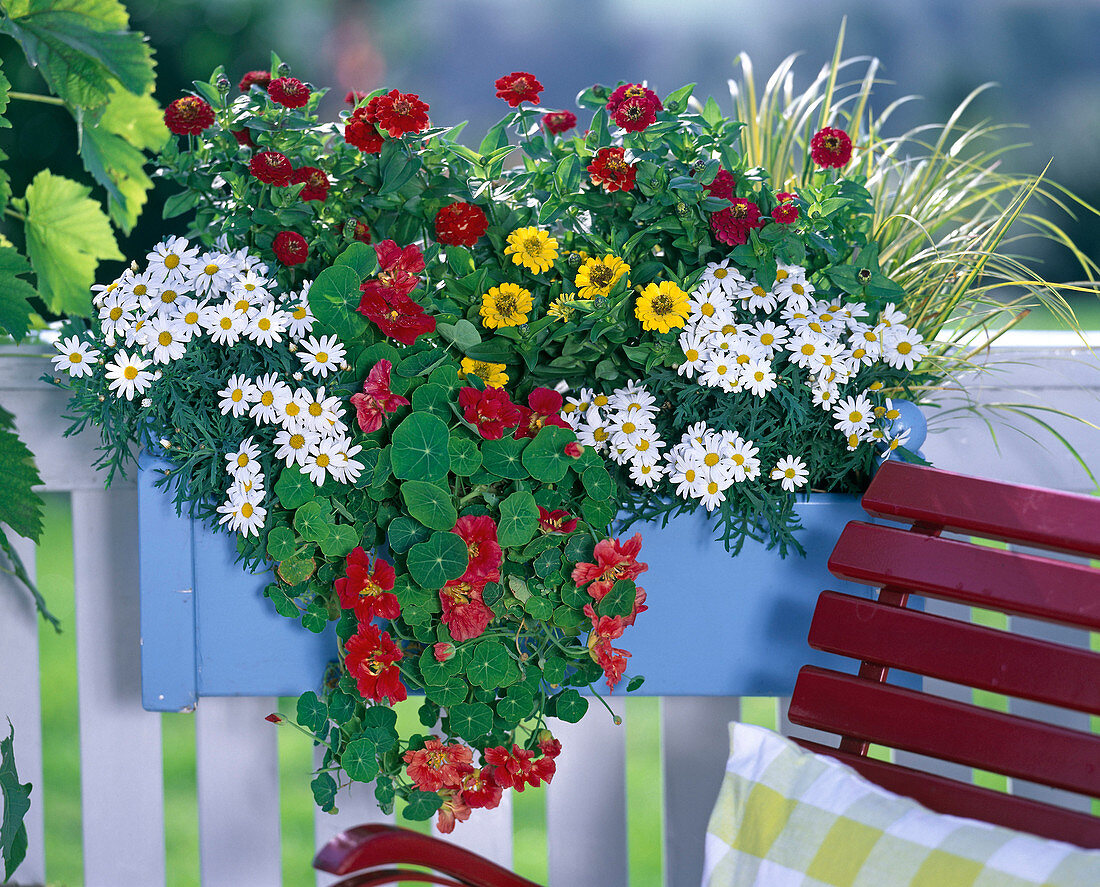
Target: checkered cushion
(788, 818)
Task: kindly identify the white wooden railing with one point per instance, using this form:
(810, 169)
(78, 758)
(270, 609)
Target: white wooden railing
(237, 769)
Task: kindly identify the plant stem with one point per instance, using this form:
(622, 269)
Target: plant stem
(8, 211)
(34, 97)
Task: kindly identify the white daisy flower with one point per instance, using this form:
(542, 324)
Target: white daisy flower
(269, 390)
(224, 323)
(887, 412)
(712, 494)
(292, 409)
(188, 315)
(646, 475)
(626, 430)
(165, 300)
(592, 431)
(137, 334)
(720, 372)
(322, 413)
(76, 357)
(143, 287)
(891, 316)
(768, 335)
(791, 472)
(757, 376)
(249, 486)
(244, 462)
(117, 314)
(634, 400)
(825, 395)
(853, 414)
(795, 292)
(761, 299)
(709, 301)
(212, 274)
(322, 356)
(685, 473)
(903, 348)
(345, 467)
(165, 340)
(252, 286)
(695, 354)
(100, 291)
(265, 327)
(322, 461)
(742, 459)
(128, 375)
(722, 274)
(236, 396)
(892, 443)
(243, 516)
(805, 348)
(170, 262)
(294, 445)
(575, 407)
(299, 320)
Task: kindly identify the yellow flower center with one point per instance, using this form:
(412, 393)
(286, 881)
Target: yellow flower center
(781, 274)
(168, 296)
(237, 396)
(264, 323)
(766, 339)
(191, 317)
(642, 446)
(798, 288)
(808, 348)
(315, 409)
(247, 509)
(600, 400)
(323, 460)
(758, 290)
(738, 459)
(297, 441)
(299, 313)
(904, 347)
(855, 416)
(689, 475)
(116, 313)
(707, 310)
(292, 409)
(242, 305)
(710, 460)
(712, 488)
(225, 323)
(171, 261)
(130, 372)
(242, 460)
(76, 357)
(267, 398)
(210, 270)
(140, 289)
(629, 427)
(758, 376)
(691, 354)
(165, 338)
(322, 357)
(599, 434)
(721, 273)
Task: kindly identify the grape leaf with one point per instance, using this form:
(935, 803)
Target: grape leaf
(20, 507)
(15, 310)
(16, 796)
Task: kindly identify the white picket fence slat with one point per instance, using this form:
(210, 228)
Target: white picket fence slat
(236, 750)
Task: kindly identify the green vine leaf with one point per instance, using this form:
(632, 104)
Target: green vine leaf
(15, 309)
(20, 507)
(17, 801)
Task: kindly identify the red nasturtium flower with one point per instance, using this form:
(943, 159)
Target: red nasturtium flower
(368, 592)
(376, 400)
(453, 809)
(271, 168)
(290, 248)
(315, 180)
(188, 116)
(259, 78)
(559, 121)
(362, 134)
(398, 269)
(443, 652)
(557, 521)
(732, 224)
(362, 232)
(480, 790)
(543, 408)
(517, 768)
(611, 171)
(289, 92)
(385, 300)
(611, 659)
(614, 561)
(548, 745)
(723, 185)
(397, 113)
(490, 410)
(465, 612)
(460, 224)
(372, 659)
(831, 148)
(517, 87)
(483, 552)
(436, 765)
(785, 214)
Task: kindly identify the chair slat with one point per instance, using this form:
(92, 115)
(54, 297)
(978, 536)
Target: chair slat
(946, 729)
(1020, 584)
(962, 799)
(955, 651)
(1067, 522)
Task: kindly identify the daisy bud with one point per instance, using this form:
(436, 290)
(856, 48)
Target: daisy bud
(166, 443)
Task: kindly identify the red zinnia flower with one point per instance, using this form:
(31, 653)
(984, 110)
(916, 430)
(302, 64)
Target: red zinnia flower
(557, 521)
(396, 315)
(723, 185)
(831, 147)
(243, 137)
(479, 532)
(362, 232)
(376, 399)
(518, 87)
(288, 91)
(610, 170)
(635, 113)
(290, 248)
(465, 613)
(785, 196)
(355, 96)
(316, 183)
(517, 769)
(362, 134)
(480, 790)
(785, 214)
(454, 809)
(372, 659)
(271, 168)
(397, 113)
(260, 78)
(559, 121)
(630, 91)
(732, 224)
(613, 562)
(543, 408)
(490, 410)
(188, 116)
(460, 224)
(437, 765)
(367, 592)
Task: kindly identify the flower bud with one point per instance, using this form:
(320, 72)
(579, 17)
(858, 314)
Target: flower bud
(682, 209)
(600, 302)
(699, 165)
(274, 718)
(349, 229)
(574, 450)
(283, 70)
(443, 652)
(574, 260)
(223, 85)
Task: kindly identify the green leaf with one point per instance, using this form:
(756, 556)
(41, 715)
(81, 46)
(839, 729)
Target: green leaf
(428, 714)
(575, 597)
(296, 570)
(465, 456)
(81, 47)
(470, 720)
(598, 512)
(451, 693)
(17, 801)
(361, 258)
(516, 708)
(313, 521)
(334, 298)
(597, 483)
(68, 234)
(545, 456)
(381, 717)
(421, 363)
(360, 760)
(434, 399)
(420, 448)
(619, 601)
(568, 175)
(463, 333)
(341, 706)
(430, 504)
(403, 533)
(280, 543)
(284, 606)
(20, 506)
(519, 519)
(437, 674)
(5, 86)
(489, 665)
(341, 539)
(422, 805)
(570, 706)
(312, 713)
(547, 562)
(504, 457)
(384, 794)
(441, 558)
(677, 101)
(324, 792)
(15, 309)
(635, 683)
(294, 488)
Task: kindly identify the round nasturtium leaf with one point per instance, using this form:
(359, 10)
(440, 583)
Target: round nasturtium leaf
(451, 693)
(597, 482)
(516, 706)
(420, 448)
(504, 457)
(294, 488)
(280, 543)
(360, 760)
(441, 558)
(470, 719)
(422, 805)
(430, 504)
(465, 456)
(519, 519)
(334, 298)
(403, 533)
(312, 712)
(360, 257)
(435, 673)
(488, 665)
(313, 522)
(570, 706)
(341, 539)
(545, 457)
(434, 399)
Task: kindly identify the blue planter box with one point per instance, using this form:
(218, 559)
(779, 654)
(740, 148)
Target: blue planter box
(716, 625)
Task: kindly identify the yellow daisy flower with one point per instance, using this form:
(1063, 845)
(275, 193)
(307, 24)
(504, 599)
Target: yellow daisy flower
(492, 374)
(561, 307)
(505, 305)
(662, 307)
(596, 277)
(534, 249)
